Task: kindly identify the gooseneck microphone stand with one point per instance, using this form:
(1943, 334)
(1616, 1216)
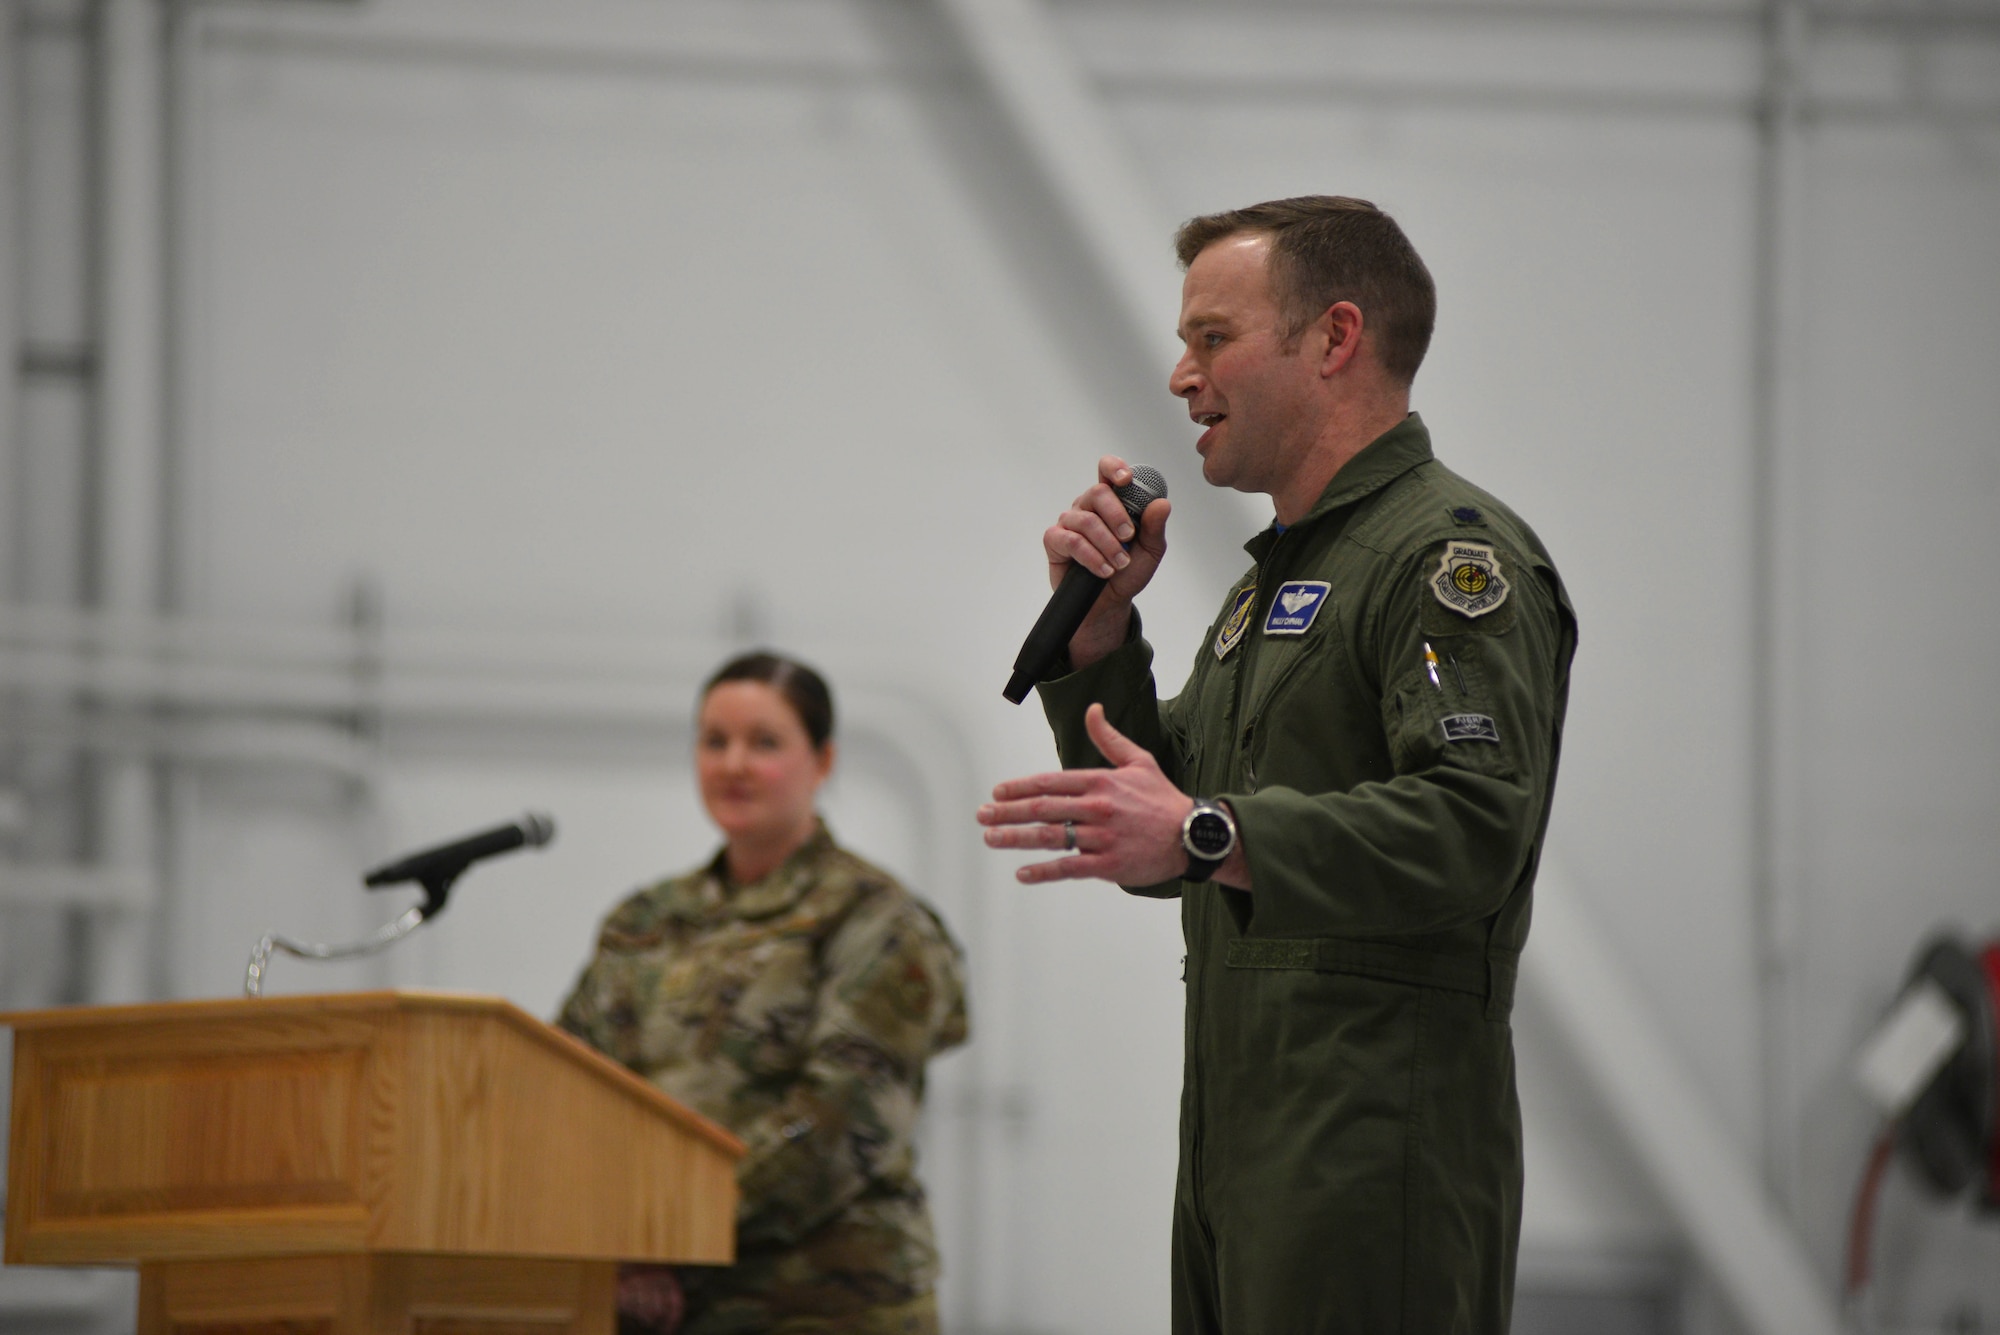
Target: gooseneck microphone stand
(434, 871)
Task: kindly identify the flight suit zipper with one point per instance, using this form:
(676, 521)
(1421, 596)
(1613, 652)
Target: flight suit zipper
(1198, 921)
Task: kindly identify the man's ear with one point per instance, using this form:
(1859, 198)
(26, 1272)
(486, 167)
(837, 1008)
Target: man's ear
(1343, 327)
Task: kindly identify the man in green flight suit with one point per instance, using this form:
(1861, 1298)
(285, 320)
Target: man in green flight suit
(1349, 797)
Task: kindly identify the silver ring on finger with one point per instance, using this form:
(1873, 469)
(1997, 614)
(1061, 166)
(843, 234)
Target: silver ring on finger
(1069, 835)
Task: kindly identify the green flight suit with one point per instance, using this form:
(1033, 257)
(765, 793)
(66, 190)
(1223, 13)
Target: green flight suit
(1350, 1146)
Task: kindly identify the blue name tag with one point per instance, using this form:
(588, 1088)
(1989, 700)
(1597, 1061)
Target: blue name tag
(1295, 605)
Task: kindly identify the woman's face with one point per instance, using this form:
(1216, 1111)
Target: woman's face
(759, 771)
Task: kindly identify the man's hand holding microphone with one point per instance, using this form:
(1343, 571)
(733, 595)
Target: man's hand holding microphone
(1121, 824)
(1094, 533)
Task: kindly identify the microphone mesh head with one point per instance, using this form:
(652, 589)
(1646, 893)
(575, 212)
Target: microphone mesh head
(538, 828)
(1145, 487)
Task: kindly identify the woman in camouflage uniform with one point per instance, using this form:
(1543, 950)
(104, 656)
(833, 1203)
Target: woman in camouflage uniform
(792, 992)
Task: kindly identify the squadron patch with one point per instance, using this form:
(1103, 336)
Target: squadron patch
(1470, 728)
(1468, 579)
(1236, 622)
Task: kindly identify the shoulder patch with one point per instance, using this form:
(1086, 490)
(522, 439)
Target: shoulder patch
(1236, 621)
(1296, 606)
(1469, 580)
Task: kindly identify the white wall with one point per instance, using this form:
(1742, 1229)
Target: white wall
(685, 324)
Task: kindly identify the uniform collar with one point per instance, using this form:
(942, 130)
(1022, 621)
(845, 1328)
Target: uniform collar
(1380, 462)
(710, 895)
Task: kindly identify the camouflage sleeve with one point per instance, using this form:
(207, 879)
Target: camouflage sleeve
(599, 1010)
(892, 995)
(602, 1009)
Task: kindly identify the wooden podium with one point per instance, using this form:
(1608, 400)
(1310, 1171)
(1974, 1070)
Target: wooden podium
(378, 1163)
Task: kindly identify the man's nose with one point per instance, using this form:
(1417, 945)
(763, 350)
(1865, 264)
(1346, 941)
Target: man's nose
(1183, 381)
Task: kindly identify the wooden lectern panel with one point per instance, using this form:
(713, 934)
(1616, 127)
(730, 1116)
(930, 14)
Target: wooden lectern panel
(271, 1130)
(371, 1122)
(384, 1294)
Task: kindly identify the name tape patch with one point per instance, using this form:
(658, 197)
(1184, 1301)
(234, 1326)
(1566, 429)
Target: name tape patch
(1296, 606)
(1238, 621)
(1468, 579)
(1470, 728)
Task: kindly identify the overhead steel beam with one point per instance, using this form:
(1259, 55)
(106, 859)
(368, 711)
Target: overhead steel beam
(1121, 229)
(1708, 1184)
(1094, 177)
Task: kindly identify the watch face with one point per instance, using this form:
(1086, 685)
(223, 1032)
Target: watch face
(1208, 834)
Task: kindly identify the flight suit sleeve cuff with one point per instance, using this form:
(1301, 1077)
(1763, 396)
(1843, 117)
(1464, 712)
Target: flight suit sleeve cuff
(1265, 823)
(1120, 681)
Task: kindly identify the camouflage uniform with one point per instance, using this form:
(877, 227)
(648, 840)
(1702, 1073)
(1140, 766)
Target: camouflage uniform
(797, 1011)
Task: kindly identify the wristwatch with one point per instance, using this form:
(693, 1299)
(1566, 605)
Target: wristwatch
(1209, 836)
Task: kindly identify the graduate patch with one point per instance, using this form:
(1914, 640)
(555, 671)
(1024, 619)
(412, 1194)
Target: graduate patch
(1238, 621)
(1469, 728)
(1297, 602)
(1468, 579)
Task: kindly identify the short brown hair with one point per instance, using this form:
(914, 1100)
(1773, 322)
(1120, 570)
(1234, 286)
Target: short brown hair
(1329, 248)
(803, 689)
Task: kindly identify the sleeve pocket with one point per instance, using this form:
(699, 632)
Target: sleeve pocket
(1451, 723)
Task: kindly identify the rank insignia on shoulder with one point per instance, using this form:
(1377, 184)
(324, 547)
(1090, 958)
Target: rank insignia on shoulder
(1236, 622)
(1468, 579)
(1467, 514)
(1296, 606)
(1469, 728)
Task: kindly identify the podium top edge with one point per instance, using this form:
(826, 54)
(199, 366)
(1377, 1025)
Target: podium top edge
(384, 1001)
(399, 998)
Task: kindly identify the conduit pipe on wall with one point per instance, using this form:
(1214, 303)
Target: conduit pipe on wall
(1709, 1187)
(1777, 630)
(131, 416)
(10, 317)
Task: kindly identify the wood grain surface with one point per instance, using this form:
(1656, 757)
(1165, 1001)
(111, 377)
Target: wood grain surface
(381, 1294)
(402, 1122)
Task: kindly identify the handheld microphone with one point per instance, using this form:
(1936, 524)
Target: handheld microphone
(1075, 596)
(436, 868)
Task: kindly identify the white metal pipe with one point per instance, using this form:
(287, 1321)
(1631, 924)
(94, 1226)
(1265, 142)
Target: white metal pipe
(1708, 1184)
(130, 424)
(11, 172)
(1777, 777)
(130, 326)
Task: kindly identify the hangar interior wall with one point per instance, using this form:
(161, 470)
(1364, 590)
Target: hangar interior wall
(520, 360)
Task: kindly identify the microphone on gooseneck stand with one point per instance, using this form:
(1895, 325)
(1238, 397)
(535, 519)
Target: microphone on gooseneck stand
(436, 868)
(1075, 596)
